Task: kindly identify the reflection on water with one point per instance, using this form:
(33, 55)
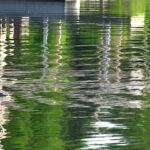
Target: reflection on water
(74, 75)
(5, 97)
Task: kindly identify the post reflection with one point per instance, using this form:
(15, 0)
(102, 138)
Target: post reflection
(5, 97)
(72, 9)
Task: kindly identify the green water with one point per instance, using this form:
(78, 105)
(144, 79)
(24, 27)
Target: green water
(77, 78)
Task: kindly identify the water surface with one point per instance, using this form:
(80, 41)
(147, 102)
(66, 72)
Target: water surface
(74, 75)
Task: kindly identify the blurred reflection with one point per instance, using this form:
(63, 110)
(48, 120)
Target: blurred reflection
(5, 98)
(81, 74)
(44, 46)
(105, 58)
(25, 27)
(72, 8)
(101, 138)
(137, 85)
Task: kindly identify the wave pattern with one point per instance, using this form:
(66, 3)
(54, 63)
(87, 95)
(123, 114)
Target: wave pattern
(77, 78)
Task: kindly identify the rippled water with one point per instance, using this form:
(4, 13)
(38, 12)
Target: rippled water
(74, 75)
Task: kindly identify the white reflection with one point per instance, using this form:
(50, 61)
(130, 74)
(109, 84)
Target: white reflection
(101, 139)
(137, 21)
(72, 7)
(106, 124)
(44, 50)
(137, 85)
(106, 55)
(59, 38)
(45, 70)
(25, 26)
(5, 98)
(109, 67)
(58, 54)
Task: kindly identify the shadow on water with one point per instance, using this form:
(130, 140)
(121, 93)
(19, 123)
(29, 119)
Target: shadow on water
(74, 75)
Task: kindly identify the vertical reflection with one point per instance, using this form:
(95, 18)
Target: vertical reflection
(72, 8)
(5, 97)
(118, 53)
(109, 79)
(106, 58)
(44, 50)
(43, 117)
(51, 72)
(58, 50)
(122, 71)
(137, 84)
(25, 27)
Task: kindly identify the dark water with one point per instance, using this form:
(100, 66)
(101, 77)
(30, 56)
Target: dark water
(75, 75)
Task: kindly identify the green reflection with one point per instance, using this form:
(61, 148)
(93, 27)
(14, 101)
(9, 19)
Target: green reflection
(130, 8)
(37, 125)
(102, 61)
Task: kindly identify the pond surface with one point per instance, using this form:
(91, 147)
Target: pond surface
(75, 75)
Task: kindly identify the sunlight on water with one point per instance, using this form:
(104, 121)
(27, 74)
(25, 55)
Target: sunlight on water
(74, 74)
